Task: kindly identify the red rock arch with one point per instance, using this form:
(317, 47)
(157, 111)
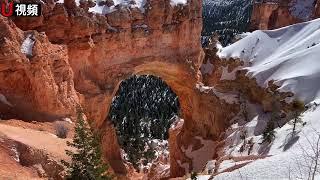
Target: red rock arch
(95, 53)
(202, 113)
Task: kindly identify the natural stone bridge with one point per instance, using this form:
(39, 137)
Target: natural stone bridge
(163, 41)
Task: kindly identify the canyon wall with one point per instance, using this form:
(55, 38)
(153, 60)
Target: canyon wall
(79, 57)
(70, 56)
(37, 86)
(272, 14)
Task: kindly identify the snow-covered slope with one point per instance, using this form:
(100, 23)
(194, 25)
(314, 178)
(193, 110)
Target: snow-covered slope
(289, 157)
(289, 56)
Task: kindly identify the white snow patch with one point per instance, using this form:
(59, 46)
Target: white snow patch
(68, 120)
(226, 164)
(127, 3)
(101, 9)
(27, 45)
(4, 100)
(175, 2)
(16, 156)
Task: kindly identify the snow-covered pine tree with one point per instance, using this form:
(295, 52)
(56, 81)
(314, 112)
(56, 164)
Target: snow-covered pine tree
(86, 161)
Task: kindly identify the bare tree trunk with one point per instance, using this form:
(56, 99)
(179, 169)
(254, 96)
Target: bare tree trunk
(316, 158)
(294, 123)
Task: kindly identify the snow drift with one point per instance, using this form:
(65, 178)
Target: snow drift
(289, 56)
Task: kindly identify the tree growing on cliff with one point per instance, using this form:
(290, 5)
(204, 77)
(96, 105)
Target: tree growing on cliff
(297, 108)
(86, 161)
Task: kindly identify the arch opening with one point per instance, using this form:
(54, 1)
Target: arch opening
(142, 111)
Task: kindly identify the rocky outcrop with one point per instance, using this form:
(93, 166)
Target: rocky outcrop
(35, 76)
(272, 14)
(229, 77)
(317, 9)
(22, 149)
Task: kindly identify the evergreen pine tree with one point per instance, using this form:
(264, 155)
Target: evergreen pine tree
(297, 107)
(268, 134)
(86, 161)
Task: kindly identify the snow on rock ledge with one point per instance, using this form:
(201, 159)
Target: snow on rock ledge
(27, 45)
(104, 9)
(289, 56)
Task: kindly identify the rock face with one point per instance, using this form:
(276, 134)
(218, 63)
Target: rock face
(272, 14)
(229, 78)
(35, 76)
(160, 42)
(317, 9)
(164, 41)
(22, 151)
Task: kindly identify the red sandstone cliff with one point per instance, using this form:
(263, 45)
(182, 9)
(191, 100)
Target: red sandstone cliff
(80, 58)
(39, 86)
(102, 51)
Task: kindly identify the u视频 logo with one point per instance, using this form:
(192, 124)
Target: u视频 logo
(9, 8)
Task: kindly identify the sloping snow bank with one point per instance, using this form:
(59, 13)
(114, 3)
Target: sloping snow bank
(290, 156)
(289, 56)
